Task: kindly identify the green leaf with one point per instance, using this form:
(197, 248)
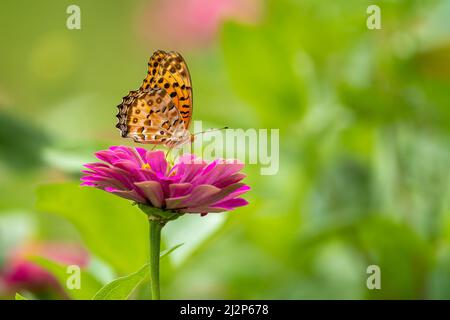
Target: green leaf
(168, 251)
(122, 288)
(403, 249)
(111, 227)
(23, 152)
(88, 284)
(20, 297)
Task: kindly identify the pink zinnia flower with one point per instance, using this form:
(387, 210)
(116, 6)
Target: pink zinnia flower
(189, 186)
(192, 23)
(21, 273)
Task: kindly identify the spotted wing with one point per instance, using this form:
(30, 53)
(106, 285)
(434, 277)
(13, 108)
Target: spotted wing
(149, 116)
(169, 71)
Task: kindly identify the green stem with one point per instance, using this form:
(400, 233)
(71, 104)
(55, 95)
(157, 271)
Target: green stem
(155, 247)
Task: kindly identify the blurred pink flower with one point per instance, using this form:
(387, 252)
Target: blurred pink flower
(190, 186)
(181, 24)
(20, 273)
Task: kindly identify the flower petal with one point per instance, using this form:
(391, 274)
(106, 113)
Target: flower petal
(220, 207)
(103, 182)
(129, 194)
(106, 156)
(236, 192)
(157, 161)
(202, 210)
(234, 178)
(231, 204)
(179, 189)
(205, 195)
(142, 152)
(127, 153)
(199, 194)
(94, 165)
(152, 191)
(219, 171)
(118, 174)
(176, 202)
(188, 167)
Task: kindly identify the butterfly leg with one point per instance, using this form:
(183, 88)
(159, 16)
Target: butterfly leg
(168, 152)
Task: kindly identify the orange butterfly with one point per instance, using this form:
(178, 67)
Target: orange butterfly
(160, 111)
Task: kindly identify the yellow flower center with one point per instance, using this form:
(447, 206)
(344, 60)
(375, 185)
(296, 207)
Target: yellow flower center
(146, 166)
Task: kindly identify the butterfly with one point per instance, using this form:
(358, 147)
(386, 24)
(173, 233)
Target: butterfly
(160, 111)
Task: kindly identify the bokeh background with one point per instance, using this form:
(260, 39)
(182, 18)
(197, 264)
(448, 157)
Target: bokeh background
(364, 119)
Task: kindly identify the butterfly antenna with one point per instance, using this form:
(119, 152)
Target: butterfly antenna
(210, 130)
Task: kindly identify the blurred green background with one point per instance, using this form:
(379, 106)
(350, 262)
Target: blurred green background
(364, 119)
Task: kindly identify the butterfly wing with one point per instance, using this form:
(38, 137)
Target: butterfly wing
(169, 71)
(149, 116)
(154, 65)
